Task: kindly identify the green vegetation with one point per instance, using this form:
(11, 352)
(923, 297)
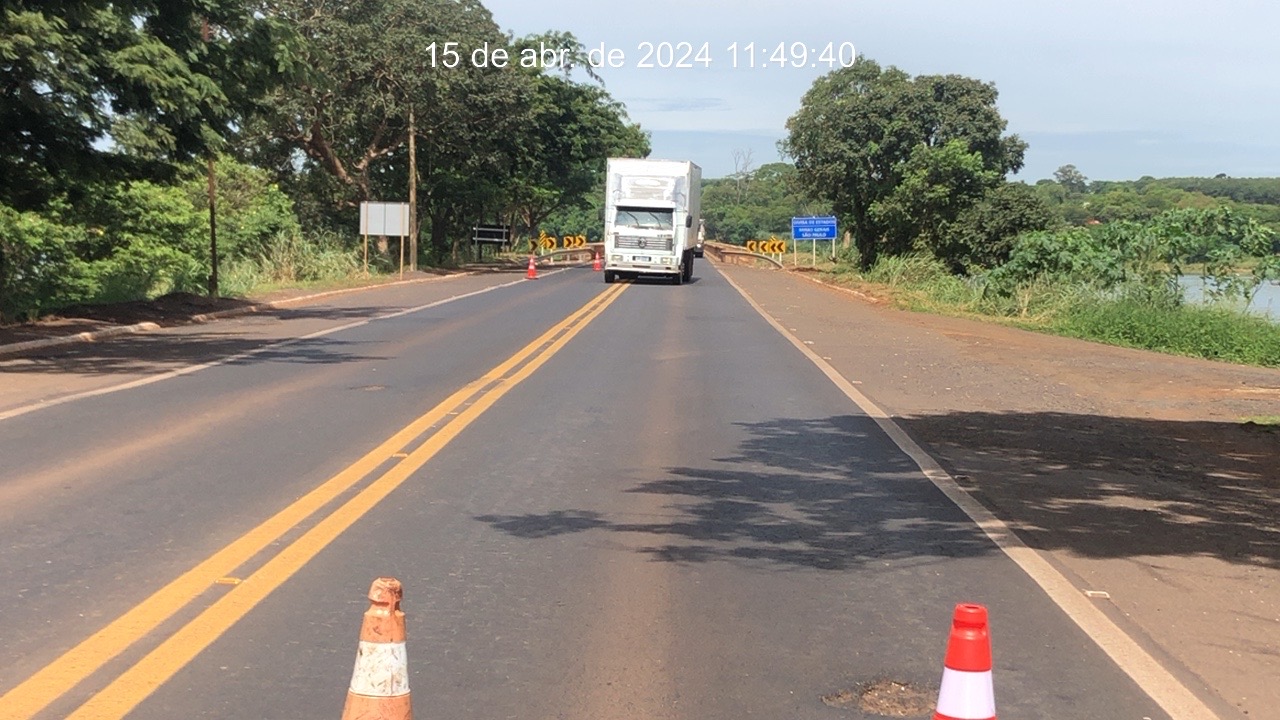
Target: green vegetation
(901, 158)
(1077, 201)
(165, 81)
(754, 204)
(1127, 316)
(110, 112)
(1209, 332)
(1118, 283)
(1269, 422)
(915, 168)
(138, 238)
(110, 115)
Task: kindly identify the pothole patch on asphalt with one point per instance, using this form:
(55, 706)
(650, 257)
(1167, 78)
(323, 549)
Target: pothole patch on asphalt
(886, 698)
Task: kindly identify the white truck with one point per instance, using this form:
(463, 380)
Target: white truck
(652, 212)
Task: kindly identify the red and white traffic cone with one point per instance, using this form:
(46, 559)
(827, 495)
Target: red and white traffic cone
(967, 692)
(595, 265)
(380, 682)
(532, 272)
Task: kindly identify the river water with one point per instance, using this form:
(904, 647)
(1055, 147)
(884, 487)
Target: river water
(1265, 302)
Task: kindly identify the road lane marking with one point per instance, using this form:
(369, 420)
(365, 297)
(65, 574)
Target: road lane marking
(56, 679)
(1156, 681)
(169, 375)
(139, 681)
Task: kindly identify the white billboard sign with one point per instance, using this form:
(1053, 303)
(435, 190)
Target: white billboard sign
(389, 219)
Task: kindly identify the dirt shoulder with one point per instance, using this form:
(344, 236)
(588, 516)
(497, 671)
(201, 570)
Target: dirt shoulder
(1134, 472)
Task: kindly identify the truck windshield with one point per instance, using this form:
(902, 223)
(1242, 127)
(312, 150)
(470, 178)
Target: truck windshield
(644, 218)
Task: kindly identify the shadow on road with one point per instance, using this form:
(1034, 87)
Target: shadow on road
(832, 493)
(798, 493)
(158, 352)
(1120, 487)
(187, 342)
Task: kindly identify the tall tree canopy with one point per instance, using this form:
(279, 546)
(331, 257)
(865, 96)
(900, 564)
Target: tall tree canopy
(366, 64)
(526, 140)
(899, 157)
(573, 127)
(104, 106)
(80, 81)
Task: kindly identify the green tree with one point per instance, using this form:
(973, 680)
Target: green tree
(580, 219)
(571, 130)
(937, 185)
(369, 64)
(252, 211)
(84, 80)
(1072, 179)
(863, 131)
(984, 233)
(39, 269)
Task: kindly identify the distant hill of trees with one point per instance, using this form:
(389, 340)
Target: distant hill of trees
(1259, 191)
(1079, 201)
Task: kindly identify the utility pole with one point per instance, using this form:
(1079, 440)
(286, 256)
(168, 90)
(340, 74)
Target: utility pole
(413, 193)
(213, 204)
(213, 232)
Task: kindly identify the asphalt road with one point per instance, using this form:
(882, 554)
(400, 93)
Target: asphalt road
(658, 508)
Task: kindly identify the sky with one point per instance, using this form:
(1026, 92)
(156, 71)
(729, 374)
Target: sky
(1120, 89)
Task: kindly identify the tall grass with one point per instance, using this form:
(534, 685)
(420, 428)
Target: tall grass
(1217, 333)
(289, 258)
(1134, 315)
(921, 282)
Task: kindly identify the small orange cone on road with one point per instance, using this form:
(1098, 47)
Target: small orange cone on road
(380, 682)
(532, 272)
(967, 692)
(596, 264)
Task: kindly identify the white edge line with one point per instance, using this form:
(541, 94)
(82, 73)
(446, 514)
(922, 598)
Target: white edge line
(1157, 682)
(249, 353)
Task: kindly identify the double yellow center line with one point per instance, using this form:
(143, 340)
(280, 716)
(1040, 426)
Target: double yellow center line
(135, 684)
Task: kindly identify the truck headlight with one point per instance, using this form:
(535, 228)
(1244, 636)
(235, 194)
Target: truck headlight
(615, 258)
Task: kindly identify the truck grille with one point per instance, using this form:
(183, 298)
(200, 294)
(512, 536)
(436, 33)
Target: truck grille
(665, 244)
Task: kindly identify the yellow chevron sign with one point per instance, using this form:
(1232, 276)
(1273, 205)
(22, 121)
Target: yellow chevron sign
(551, 242)
(772, 246)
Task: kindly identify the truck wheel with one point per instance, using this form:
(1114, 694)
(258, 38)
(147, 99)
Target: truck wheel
(608, 277)
(678, 278)
(687, 270)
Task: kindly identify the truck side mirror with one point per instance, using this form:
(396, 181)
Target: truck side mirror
(688, 221)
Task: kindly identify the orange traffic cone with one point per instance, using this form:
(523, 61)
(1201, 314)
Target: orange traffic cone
(380, 682)
(967, 692)
(596, 264)
(532, 272)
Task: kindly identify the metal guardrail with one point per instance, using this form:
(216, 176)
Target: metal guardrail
(725, 249)
(587, 253)
(584, 253)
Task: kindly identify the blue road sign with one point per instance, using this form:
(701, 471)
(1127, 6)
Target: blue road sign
(813, 228)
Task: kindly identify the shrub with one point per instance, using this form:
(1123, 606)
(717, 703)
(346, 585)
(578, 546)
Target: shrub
(252, 211)
(151, 241)
(39, 269)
